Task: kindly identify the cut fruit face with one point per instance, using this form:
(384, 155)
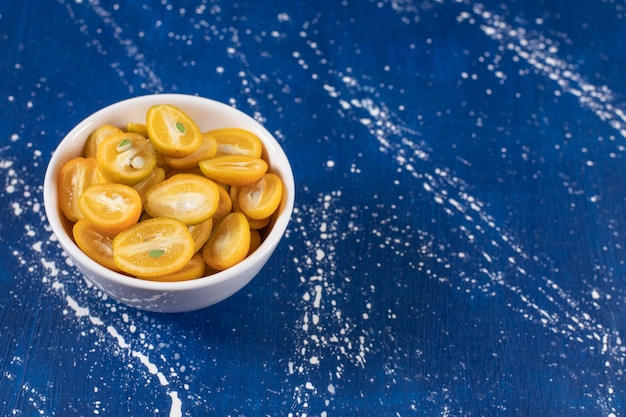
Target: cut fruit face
(236, 141)
(74, 177)
(229, 242)
(110, 207)
(153, 247)
(234, 169)
(172, 132)
(126, 158)
(261, 199)
(190, 198)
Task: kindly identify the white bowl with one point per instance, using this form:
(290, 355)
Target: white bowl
(169, 296)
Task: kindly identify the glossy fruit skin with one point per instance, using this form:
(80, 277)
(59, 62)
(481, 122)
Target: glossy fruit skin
(96, 245)
(229, 243)
(74, 177)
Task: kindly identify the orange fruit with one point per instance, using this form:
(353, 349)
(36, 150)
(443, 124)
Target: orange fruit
(234, 169)
(110, 207)
(236, 141)
(261, 199)
(96, 245)
(201, 233)
(172, 132)
(74, 177)
(258, 224)
(153, 247)
(96, 137)
(229, 242)
(207, 150)
(156, 176)
(194, 269)
(255, 240)
(126, 158)
(189, 198)
(137, 128)
(225, 205)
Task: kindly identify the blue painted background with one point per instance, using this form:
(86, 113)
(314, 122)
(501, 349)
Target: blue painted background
(457, 247)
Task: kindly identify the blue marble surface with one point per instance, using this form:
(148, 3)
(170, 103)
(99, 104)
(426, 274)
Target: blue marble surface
(457, 247)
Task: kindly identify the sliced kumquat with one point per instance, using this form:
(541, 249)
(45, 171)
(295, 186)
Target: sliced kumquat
(257, 224)
(261, 199)
(201, 233)
(189, 198)
(193, 270)
(74, 177)
(96, 137)
(156, 176)
(234, 169)
(229, 242)
(96, 245)
(225, 205)
(207, 150)
(172, 132)
(110, 207)
(140, 128)
(236, 141)
(255, 240)
(153, 247)
(233, 192)
(126, 158)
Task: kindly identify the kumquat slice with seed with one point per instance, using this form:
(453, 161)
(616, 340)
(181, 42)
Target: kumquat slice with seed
(207, 150)
(237, 141)
(229, 242)
(110, 207)
(189, 198)
(234, 169)
(126, 158)
(261, 199)
(172, 132)
(74, 177)
(96, 245)
(96, 137)
(153, 247)
(193, 270)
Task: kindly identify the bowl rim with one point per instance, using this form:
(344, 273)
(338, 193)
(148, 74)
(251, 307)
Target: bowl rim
(261, 254)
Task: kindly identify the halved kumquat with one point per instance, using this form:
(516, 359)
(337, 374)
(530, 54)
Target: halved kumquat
(192, 270)
(110, 207)
(229, 242)
(234, 169)
(153, 247)
(207, 150)
(236, 141)
(126, 158)
(261, 199)
(96, 245)
(74, 177)
(189, 198)
(172, 132)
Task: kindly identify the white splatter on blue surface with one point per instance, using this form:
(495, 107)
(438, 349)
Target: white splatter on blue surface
(457, 244)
